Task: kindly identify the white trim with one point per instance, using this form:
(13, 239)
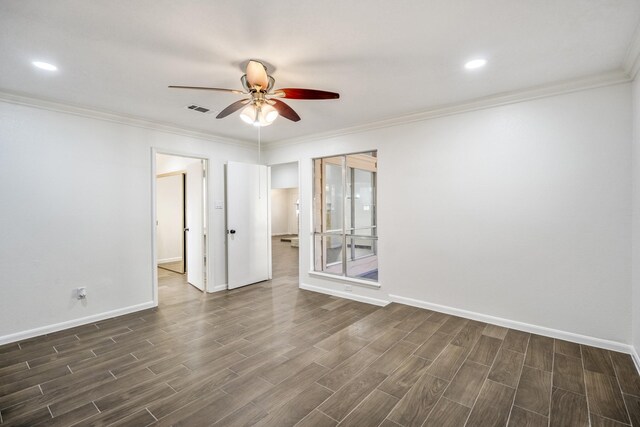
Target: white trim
(109, 116)
(636, 358)
(630, 69)
(344, 279)
(345, 295)
(217, 288)
(269, 243)
(19, 336)
(513, 97)
(512, 324)
(631, 63)
(208, 272)
(175, 259)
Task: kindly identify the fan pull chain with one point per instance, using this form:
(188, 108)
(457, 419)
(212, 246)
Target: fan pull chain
(259, 142)
(259, 160)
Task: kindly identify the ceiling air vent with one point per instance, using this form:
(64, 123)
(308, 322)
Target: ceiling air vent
(198, 108)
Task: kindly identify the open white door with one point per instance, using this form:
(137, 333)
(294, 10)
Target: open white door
(195, 226)
(248, 224)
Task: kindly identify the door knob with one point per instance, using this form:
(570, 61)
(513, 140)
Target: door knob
(232, 231)
(186, 229)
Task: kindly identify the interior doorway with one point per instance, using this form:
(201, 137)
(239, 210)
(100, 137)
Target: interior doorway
(181, 222)
(171, 221)
(285, 218)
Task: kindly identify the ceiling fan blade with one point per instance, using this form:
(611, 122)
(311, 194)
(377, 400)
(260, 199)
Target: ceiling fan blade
(208, 88)
(257, 75)
(284, 110)
(294, 93)
(232, 108)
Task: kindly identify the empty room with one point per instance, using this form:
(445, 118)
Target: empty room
(330, 213)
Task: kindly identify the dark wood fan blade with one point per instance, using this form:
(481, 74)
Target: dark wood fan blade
(232, 108)
(293, 93)
(207, 88)
(285, 111)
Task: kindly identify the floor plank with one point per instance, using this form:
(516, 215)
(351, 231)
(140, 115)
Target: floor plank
(371, 411)
(485, 350)
(415, 406)
(493, 405)
(466, 384)
(626, 373)
(534, 391)
(540, 353)
(568, 374)
(522, 418)
(348, 397)
(604, 396)
(597, 360)
(403, 378)
(447, 413)
(507, 367)
(568, 409)
(516, 341)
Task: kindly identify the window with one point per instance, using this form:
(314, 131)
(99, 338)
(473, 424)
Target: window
(344, 215)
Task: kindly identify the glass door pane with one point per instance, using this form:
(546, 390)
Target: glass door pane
(333, 194)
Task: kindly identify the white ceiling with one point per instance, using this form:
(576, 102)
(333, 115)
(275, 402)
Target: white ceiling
(385, 58)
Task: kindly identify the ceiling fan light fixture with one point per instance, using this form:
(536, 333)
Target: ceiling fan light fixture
(263, 107)
(261, 116)
(269, 113)
(248, 114)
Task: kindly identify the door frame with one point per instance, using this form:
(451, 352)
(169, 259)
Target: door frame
(208, 271)
(183, 239)
(297, 162)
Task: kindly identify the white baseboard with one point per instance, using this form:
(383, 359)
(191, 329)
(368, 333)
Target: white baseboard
(165, 260)
(346, 295)
(512, 324)
(218, 288)
(19, 336)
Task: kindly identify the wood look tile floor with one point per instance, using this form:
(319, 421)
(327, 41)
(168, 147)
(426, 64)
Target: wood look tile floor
(274, 355)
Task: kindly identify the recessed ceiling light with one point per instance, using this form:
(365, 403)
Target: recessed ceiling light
(476, 63)
(44, 66)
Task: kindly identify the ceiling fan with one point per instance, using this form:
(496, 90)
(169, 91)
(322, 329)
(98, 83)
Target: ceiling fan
(263, 106)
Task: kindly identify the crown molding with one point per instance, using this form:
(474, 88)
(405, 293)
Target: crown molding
(77, 110)
(575, 85)
(506, 98)
(631, 64)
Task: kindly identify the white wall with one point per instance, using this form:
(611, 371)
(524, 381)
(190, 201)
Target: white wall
(521, 212)
(283, 211)
(292, 215)
(170, 218)
(76, 211)
(284, 175)
(166, 163)
(636, 219)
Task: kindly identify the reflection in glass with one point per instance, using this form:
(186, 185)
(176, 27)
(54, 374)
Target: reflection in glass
(345, 229)
(364, 262)
(330, 246)
(333, 195)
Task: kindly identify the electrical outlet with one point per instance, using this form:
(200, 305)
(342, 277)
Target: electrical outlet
(81, 293)
(348, 288)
